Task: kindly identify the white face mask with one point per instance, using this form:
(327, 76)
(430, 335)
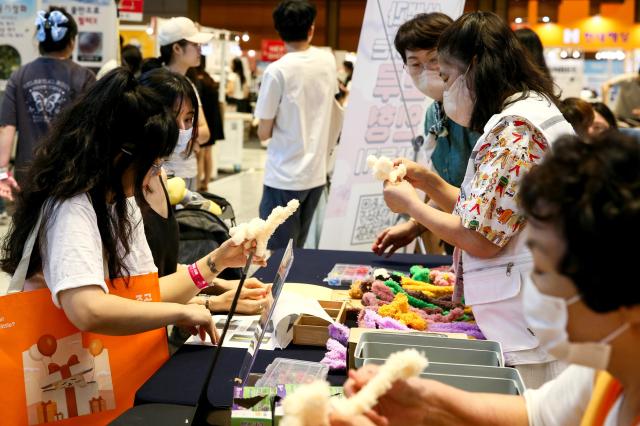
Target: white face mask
(184, 137)
(458, 102)
(548, 318)
(429, 83)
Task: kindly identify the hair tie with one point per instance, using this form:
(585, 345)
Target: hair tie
(57, 18)
(41, 23)
(53, 23)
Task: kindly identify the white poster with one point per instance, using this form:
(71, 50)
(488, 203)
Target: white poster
(376, 122)
(97, 20)
(17, 29)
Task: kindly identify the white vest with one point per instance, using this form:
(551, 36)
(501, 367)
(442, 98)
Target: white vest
(492, 286)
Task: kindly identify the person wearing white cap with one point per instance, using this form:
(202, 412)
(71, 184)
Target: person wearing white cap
(180, 41)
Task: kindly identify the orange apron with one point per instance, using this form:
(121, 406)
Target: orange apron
(52, 372)
(606, 392)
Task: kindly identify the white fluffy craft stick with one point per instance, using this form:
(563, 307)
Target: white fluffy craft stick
(261, 230)
(383, 169)
(306, 407)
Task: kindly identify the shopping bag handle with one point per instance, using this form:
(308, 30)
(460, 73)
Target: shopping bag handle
(20, 274)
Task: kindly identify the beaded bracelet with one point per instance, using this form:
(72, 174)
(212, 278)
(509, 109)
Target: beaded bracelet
(197, 277)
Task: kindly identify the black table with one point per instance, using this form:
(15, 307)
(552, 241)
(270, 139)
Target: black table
(179, 380)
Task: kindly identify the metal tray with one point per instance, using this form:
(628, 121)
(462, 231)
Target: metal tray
(434, 354)
(423, 339)
(477, 384)
(468, 370)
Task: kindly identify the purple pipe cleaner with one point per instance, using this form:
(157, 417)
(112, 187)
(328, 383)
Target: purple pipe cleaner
(339, 332)
(457, 327)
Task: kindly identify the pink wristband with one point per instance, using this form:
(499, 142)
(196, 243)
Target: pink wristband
(197, 277)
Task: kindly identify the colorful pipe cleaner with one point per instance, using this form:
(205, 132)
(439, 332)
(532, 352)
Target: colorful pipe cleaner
(368, 318)
(419, 273)
(399, 309)
(468, 328)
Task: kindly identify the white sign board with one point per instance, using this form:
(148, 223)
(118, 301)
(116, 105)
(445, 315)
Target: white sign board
(376, 122)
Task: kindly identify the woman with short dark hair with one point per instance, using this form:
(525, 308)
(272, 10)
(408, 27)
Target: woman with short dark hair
(493, 87)
(38, 91)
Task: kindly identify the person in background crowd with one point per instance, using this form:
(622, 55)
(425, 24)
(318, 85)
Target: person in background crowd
(131, 58)
(294, 109)
(581, 201)
(180, 42)
(345, 85)
(580, 114)
(160, 225)
(603, 119)
(533, 45)
(238, 87)
(37, 92)
(482, 219)
(449, 144)
(627, 103)
(208, 91)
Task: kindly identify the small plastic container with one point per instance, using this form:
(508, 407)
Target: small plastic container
(345, 274)
(285, 371)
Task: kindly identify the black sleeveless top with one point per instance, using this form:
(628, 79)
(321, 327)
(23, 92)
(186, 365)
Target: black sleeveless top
(162, 236)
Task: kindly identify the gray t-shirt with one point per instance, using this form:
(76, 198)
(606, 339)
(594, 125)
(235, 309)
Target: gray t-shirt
(35, 95)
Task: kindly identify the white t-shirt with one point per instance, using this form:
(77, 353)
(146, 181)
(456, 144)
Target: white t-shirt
(564, 400)
(72, 255)
(238, 92)
(298, 91)
(177, 164)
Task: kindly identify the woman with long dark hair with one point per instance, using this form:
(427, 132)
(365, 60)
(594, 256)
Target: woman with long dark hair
(180, 42)
(101, 152)
(493, 87)
(160, 225)
(238, 87)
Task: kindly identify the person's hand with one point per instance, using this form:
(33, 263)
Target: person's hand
(227, 285)
(197, 320)
(7, 186)
(416, 173)
(252, 301)
(404, 404)
(230, 255)
(396, 237)
(400, 196)
(370, 419)
(636, 112)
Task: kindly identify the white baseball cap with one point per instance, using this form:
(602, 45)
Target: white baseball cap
(181, 28)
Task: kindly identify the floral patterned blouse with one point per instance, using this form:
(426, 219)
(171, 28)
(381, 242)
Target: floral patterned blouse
(488, 197)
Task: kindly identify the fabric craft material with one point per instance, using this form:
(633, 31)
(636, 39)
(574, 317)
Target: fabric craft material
(310, 405)
(399, 310)
(384, 169)
(261, 230)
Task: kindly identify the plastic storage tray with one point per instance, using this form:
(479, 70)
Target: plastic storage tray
(284, 371)
(344, 274)
(421, 339)
(434, 354)
(505, 373)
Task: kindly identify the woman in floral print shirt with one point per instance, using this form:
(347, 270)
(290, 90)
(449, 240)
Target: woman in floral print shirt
(491, 86)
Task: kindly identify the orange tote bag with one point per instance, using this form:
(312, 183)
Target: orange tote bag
(51, 372)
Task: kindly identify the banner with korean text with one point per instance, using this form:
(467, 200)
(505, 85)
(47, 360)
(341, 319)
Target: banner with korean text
(376, 122)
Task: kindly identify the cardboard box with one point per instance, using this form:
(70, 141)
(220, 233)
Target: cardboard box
(313, 331)
(252, 406)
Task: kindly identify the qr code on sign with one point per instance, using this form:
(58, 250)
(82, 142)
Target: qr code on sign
(372, 216)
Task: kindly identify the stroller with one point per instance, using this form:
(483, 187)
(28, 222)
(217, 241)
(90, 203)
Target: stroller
(202, 232)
